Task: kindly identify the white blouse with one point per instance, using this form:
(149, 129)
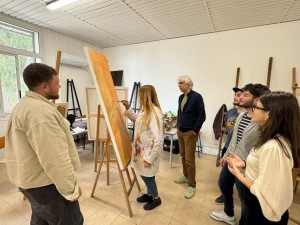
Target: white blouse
(271, 172)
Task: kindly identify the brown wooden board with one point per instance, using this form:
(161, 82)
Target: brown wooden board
(111, 108)
(91, 103)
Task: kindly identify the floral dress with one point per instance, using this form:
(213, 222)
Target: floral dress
(148, 143)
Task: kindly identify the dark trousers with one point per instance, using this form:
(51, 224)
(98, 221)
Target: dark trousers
(255, 215)
(49, 207)
(187, 146)
(151, 186)
(226, 182)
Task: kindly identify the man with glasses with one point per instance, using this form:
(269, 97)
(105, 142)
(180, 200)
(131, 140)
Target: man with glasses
(229, 120)
(191, 116)
(244, 137)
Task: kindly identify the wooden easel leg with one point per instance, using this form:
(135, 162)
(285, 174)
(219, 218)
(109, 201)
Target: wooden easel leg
(220, 150)
(124, 190)
(135, 179)
(96, 156)
(98, 173)
(107, 162)
(128, 176)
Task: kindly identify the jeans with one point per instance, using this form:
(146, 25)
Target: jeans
(187, 145)
(255, 215)
(226, 182)
(151, 186)
(49, 207)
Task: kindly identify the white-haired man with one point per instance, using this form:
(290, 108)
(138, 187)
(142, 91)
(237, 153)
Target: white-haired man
(191, 116)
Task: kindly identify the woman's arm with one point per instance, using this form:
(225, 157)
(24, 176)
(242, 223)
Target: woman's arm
(236, 172)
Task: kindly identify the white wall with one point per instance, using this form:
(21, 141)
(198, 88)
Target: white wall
(51, 42)
(211, 60)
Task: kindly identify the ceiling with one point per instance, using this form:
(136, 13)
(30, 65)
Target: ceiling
(108, 23)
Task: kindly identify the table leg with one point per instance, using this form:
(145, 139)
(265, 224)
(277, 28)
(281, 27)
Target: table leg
(171, 149)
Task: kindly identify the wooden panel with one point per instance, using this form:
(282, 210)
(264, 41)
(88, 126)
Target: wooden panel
(92, 101)
(108, 97)
(2, 142)
(62, 107)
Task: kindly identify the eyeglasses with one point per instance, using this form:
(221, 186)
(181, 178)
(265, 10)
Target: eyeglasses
(254, 107)
(181, 83)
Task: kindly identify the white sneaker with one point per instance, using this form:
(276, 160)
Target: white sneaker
(221, 216)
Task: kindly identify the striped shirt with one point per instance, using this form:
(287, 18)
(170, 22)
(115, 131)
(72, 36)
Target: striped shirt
(242, 126)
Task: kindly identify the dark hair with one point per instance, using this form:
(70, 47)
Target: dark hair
(256, 90)
(284, 118)
(36, 74)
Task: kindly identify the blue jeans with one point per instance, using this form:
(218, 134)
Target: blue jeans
(226, 182)
(151, 186)
(50, 207)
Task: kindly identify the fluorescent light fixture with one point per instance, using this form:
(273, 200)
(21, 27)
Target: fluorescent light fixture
(59, 4)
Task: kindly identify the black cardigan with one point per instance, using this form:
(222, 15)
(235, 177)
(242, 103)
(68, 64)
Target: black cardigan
(193, 115)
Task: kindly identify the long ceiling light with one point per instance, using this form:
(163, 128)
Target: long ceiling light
(59, 4)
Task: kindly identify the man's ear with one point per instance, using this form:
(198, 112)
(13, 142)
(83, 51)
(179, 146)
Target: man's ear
(255, 101)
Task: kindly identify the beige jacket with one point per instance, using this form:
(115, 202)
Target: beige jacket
(40, 149)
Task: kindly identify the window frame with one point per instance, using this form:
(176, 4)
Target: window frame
(16, 53)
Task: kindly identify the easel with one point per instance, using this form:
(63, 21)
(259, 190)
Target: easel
(106, 152)
(133, 104)
(223, 128)
(71, 86)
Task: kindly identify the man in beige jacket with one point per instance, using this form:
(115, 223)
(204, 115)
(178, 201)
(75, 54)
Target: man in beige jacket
(40, 151)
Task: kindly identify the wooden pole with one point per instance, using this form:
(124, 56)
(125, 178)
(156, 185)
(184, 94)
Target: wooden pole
(57, 66)
(269, 71)
(294, 84)
(58, 60)
(237, 78)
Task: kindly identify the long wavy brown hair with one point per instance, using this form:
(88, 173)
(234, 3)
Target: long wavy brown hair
(283, 121)
(148, 99)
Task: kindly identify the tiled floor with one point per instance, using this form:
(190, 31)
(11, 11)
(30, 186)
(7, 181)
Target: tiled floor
(109, 207)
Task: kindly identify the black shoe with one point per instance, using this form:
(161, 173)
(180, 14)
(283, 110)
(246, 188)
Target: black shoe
(144, 198)
(219, 200)
(151, 205)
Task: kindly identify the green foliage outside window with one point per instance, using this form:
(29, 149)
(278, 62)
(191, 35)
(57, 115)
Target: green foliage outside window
(11, 37)
(12, 85)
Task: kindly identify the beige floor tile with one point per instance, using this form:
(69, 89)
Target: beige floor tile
(101, 217)
(108, 205)
(138, 212)
(154, 218)
(175, 222)
(9, 216)
(122, 221)
(187, 216)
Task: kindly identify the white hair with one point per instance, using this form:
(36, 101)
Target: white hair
(186, 79)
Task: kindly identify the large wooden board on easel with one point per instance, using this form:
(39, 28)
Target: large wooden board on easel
(111, 108)
(91, 103)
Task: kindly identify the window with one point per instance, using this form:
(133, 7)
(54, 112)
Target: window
(18, 48)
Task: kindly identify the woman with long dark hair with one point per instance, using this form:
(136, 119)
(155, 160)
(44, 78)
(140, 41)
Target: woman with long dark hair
(269, 165)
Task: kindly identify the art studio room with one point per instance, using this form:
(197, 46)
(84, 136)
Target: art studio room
(149, 112)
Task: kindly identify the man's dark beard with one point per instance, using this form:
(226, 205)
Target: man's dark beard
(248, 106)
(54, 96)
